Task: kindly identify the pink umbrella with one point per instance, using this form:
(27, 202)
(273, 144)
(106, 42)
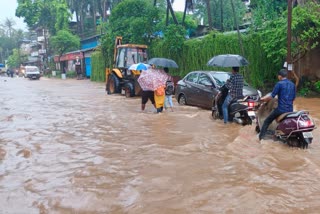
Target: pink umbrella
(152, 79)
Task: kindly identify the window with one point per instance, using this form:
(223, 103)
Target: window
(205, 80)
(193, 77)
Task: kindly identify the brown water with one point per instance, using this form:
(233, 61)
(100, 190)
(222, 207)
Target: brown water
(68, 147)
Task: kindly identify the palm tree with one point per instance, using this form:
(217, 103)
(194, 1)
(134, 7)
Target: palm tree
(8, 26)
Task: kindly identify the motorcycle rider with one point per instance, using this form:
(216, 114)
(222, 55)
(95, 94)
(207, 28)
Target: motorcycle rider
(286, 91)
(235, 86)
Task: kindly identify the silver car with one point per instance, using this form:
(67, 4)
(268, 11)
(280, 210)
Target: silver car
(198, 88)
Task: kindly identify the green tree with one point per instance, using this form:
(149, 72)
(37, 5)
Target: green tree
(134, 20)
(7, 26)
(221, 13)
(190, 23)
(63, 42)
(264, 11)
(174, 37)
(9, 40)
(305, 33)
(50, 14)
(15, 60)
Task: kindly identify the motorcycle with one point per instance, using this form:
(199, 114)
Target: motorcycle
(293, 128)
(241, 111)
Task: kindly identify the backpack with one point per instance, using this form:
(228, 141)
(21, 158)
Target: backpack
(169, 87)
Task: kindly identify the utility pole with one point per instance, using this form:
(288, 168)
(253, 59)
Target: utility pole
(289, 60)
(289, 63)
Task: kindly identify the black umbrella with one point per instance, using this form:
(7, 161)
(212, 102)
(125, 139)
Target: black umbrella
(228, 60)
(164, 62)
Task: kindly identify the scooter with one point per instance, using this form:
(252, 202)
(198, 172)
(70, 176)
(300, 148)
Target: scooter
(241, 111)
(292, 128)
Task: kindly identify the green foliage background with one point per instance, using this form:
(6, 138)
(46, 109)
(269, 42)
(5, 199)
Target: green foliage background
(98, 67)
(194, 54)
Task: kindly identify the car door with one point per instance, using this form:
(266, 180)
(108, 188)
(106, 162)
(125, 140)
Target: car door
(206, 90)
(191, 86)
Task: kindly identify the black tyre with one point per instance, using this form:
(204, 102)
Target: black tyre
(129, 90)
(246, 119)
(304, 142)
(182, 100)
(113, 84)
(257, 129)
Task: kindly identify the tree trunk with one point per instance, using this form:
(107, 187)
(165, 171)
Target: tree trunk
(94, 12)
(221, 15)
(184, 12)
(169, 7)
(209, 15)
(239, 35)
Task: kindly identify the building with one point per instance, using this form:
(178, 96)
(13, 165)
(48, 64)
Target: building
(84, 54)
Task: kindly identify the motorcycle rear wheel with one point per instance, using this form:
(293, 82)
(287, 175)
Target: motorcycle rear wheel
(304, 143)
(257, 129)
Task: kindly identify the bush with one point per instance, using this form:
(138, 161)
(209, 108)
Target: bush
(305, 88)
(317, 86)
(71, 74)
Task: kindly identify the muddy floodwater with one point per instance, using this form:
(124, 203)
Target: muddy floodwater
(68, 147)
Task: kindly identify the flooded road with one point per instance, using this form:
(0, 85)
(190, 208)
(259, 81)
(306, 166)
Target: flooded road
(68, 147)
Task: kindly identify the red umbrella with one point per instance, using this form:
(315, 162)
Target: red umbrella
(152, 79)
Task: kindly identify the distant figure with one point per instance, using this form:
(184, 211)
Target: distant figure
(78, 68)
(10, 72)
(169, 90)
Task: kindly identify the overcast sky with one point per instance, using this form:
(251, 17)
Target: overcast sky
(8, 10)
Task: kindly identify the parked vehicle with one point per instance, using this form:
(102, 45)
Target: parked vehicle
(32, 72)
(292, 128)
(241, 111)
(198, 88)
(2, 69)
(119, 79)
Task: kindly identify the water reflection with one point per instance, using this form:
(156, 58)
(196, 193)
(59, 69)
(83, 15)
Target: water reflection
(67, 147)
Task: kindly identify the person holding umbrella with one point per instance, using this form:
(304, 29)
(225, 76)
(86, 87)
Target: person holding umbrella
(145, 96)
(235, 83)
(152, 81)
(235, 86)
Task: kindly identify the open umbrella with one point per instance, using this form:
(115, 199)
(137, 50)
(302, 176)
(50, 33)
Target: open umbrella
(151, 79)
(139, 66)
(163, 62)
(228, 60)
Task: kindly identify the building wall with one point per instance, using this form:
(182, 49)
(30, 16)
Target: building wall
(309, 66)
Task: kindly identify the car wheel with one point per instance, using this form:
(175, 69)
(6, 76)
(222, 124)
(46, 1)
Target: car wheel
(182, 100)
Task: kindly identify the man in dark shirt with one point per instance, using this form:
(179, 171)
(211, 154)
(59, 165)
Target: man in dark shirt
(286, 91)
(235, 86)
